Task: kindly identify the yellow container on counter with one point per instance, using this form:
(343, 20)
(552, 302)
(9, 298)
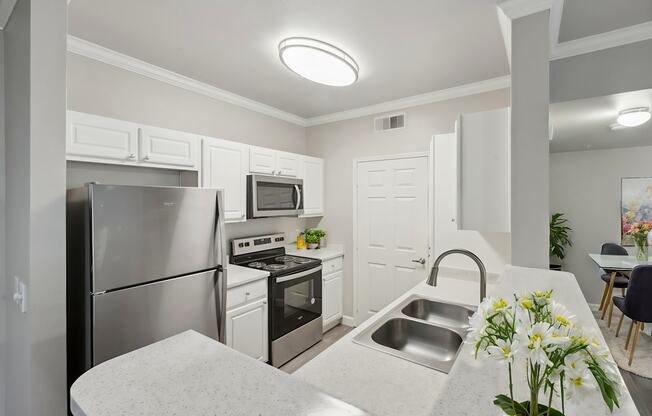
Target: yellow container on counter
(301, 241)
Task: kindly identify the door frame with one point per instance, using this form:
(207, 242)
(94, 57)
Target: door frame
(425, 154)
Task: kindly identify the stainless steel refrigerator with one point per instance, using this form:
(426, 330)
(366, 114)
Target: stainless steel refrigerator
(144, 263)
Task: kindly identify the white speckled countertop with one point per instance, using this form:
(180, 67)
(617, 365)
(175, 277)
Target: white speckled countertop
(238, 275)
(193, 375)
(386, 385)
(331, 251)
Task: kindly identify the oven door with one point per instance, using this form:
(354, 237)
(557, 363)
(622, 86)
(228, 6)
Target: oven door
(271, 196)
(296, 300)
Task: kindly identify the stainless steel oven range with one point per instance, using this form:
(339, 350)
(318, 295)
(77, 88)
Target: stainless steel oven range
(294, 294)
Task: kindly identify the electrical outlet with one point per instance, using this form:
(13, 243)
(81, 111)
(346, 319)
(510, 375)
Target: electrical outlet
(20, 294)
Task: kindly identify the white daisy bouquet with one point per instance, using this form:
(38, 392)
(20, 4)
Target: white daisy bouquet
(561, 359)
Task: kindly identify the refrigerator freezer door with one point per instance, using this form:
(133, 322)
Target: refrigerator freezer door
(128, 319)
(142, 234)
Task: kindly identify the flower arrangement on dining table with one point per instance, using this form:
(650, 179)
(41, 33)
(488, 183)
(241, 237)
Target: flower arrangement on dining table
(561, 359)
(639, 232)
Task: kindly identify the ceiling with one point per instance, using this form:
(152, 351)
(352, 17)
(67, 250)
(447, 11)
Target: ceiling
(584, 124)
(403, 47)
(583, 18)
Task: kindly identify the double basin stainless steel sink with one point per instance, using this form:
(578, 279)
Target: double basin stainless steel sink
(424, 331)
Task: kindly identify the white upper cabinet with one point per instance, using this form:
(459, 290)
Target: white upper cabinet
(262, 160)
(92, 138)
(484, 171)
(100, 138)
(273, 162)
(225, 165)
(287, 164)
(311, 170)
(169, 147)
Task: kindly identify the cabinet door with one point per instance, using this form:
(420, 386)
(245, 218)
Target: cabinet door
(332, 297)
(262, 160)
(246, 329)
(312, 173)
(225, 166)
(483, 171)
(95, 138)
(169, 147)
(287, 164)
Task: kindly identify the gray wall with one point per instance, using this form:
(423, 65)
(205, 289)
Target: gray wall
(605, 72)
(341, 142)
(34, 55)
(529, 140)
(586, 187)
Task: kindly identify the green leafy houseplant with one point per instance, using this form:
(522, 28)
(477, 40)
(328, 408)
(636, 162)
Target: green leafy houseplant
(313, 236)
(559, 237)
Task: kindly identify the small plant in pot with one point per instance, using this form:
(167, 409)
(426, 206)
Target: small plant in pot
(559, 240)
(313, 237)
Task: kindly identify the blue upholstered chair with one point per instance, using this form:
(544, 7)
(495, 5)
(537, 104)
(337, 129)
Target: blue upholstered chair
(612, 249)
(636, 304)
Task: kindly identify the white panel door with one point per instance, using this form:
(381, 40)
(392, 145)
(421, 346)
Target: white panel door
(262, 160)
(225, 165)
(287, 164)
(312, 172)
(392, 230)
(332, 297)
(246, 329)
(95, 137)
(169, 147)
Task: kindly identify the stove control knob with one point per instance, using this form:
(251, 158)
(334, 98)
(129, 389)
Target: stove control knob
(312, 301)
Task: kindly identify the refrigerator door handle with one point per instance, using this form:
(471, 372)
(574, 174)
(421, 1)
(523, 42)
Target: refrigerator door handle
(220, 253)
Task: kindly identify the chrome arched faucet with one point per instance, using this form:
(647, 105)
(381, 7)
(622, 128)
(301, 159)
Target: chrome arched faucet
(432, 279)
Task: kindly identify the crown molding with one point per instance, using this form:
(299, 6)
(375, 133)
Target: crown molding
(6, 7)
(602, 41)
(108, 56)
(515, 9)
(415, 100)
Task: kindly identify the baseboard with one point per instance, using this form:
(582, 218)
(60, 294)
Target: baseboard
(348, 321)
(594, 307)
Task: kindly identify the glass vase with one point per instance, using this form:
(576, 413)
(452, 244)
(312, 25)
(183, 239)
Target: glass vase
(641, 250)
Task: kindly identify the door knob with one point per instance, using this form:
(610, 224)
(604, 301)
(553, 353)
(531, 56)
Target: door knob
(420, 261)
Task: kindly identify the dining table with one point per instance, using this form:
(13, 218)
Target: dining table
(614, 265)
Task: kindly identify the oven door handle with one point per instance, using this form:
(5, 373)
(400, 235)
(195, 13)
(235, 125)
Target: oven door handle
(297, 275)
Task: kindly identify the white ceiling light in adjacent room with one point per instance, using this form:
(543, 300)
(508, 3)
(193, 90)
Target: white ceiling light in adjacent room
(318, 61)
(633, 117)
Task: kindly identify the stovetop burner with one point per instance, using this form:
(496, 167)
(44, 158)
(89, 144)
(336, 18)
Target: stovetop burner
(293, 259)
(275, 267)
(257, 264)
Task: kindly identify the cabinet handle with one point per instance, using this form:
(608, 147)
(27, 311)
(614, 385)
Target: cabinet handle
(146, 158)
(247, 293)
(264, 302)
(421, 261)
(131, 156)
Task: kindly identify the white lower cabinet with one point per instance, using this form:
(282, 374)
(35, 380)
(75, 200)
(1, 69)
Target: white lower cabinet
(332, 293)
(246, 325)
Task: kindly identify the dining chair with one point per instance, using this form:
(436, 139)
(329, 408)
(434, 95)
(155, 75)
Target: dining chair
(620, 281)
(636, 304)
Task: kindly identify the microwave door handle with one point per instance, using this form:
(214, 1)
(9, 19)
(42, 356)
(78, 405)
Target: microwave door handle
(296, 188)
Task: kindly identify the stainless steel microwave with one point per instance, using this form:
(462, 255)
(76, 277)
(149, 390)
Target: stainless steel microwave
(274, 196)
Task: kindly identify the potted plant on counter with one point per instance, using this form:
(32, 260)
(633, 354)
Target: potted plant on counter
(316, 238)
(559, 239)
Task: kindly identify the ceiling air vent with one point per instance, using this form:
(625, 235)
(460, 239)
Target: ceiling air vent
(389, 122)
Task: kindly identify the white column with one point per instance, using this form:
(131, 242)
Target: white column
(529, 135)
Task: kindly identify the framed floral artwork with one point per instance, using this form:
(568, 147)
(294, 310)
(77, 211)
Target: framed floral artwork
(635, 206)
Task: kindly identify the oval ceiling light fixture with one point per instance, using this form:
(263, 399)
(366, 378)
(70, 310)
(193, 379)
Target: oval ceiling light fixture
(634, 116)
(318, 61)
